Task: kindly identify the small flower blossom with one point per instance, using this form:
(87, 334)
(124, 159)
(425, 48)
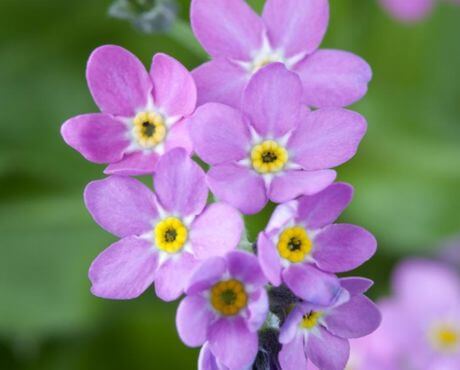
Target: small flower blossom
(225, 306)
(142, 115)
(320, 333)
(302, 246)
(164, 235)
(273, 148)
(241, 42)
(410, 10)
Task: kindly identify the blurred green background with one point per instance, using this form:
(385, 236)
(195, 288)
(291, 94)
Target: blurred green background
(406, 175)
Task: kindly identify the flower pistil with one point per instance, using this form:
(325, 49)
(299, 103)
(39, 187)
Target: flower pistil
(170, 235)
(228, 297)
(294, 244)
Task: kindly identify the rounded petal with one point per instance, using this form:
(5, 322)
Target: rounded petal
(193, 319)
(311, 284)
(356, 285)
(173, 275)
(343, 247)
(134, 164)
(354, 319)
(322, 209)
(327, 351)
(227, 28)
(273, 100)
(292, 355)
(328, 138)
(124, 270)
(245, 267)
(269, 259)
(333, 78)
(409, 10)
(179, 137)
(296, 26)
(257, 310)
(174, 89)
(98, 137)
(206, 360)
(292, 184)
(219, 134)
(232, 343)
(118, 81)
(216, 231)
(282, 215)
(121, 205)
(180, 184)
(290, 327)
(208, 273)
(238, 186)
(220, 81)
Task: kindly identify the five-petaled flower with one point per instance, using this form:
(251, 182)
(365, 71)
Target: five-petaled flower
(142, 115)
(274, 148)
(164, 235)
(302, 246)
(289, 31)
(226, 304)
(320, 333)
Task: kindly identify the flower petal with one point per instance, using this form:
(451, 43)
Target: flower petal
(296, 26)
(179, 137)
(174, 89)
(227, 28)
(220, 81)
(356, 285)
(257, 310)
(290, 327)
(216, 231)
(121, 205)
(343, 247)
(232, 343)
(322, 209)
(238, 186)
(328, 138)
(333, 78)
(354, 319)
(98, 137)
(134, 164)
(118, 81)
(207, 274)
(124, 270)
(327, 351)
(291, 184)
(245, 267)
(282, 215)
(206, 360)
(219, 134)
(269, 259)
(180, 184)
(193, 319)
(173, 275)
(292, 355)
(409, 10)
(311, 284)
(273, 101)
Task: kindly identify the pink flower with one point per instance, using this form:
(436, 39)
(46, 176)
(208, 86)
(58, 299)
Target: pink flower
(410, 10)
(274, 147)
(142, 115)
(241, 42)
(164, 235)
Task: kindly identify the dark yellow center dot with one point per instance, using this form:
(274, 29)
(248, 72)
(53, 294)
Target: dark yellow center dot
(228, 297)
(294, 244)
(170, 235)
(149, 129)
(311, 320)
(268, 157)
(446, 338)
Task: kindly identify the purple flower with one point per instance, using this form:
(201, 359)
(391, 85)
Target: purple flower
(320, 333)
(302, 247)
(226, 304)
(142, 114)
(274, 148)
(410, 10)
(164, 236)
(289, 31)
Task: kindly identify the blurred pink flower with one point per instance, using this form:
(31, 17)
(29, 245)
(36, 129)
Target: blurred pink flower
(410, 10)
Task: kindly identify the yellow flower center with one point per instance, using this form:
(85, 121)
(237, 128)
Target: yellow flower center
(268, 157)
(294, 244)
(446, 338)
(170, 235)
(149, 129)
(311, 320)
(228, 297)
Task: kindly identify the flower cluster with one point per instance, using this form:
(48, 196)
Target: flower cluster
(421, 322)
(247, 114)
